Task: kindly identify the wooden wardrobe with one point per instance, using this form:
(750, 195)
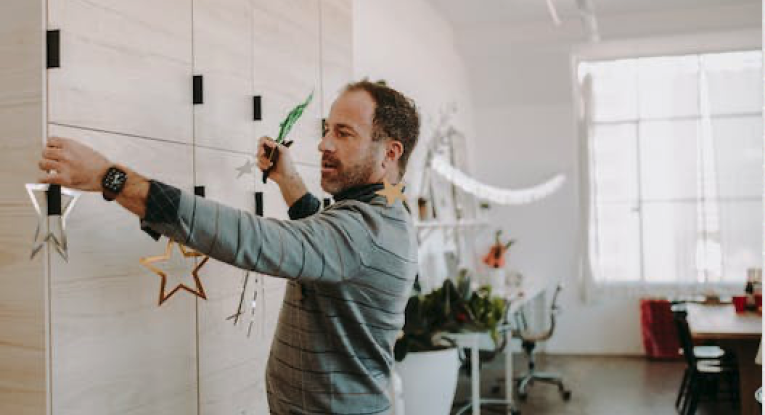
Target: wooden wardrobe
(86, 337)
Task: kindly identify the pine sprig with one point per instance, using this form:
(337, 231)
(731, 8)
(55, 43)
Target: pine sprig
(292, 118)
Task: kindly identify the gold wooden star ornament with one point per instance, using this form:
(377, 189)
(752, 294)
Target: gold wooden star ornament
(187, 253)
(392, 192)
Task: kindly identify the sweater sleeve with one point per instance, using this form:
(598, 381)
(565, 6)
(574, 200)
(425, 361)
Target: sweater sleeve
(327, 247)
(304, 207)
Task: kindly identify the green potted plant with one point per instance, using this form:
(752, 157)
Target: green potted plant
(427, 361)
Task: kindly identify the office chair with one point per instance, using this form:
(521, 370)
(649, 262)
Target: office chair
(529, 341)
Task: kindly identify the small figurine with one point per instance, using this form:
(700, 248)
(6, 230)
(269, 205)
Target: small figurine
(496, 256)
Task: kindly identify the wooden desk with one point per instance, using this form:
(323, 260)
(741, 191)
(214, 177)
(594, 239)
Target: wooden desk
(740, 333)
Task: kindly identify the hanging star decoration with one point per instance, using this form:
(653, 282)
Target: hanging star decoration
(246, 168)
(148, 262)
(392, 192)
(56, 211)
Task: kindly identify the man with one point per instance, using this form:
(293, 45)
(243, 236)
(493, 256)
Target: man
(351, 266)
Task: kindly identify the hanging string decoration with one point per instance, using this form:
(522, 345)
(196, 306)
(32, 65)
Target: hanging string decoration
(502, 196)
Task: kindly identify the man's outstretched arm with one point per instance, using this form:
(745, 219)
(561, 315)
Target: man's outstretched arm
(77, 166)
(326, 247)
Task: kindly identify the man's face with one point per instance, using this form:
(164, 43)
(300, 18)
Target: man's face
(349, 157)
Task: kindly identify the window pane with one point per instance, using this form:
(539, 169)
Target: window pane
(735, 82)
(697, 181)
(668, 86)
(615, 162)
(618, 242)
(669, 242)
(614, 89)
(741, 224)
(668, 160)
(738, 156)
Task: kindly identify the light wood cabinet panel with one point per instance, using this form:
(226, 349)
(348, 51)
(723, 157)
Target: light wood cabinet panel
(87, 337)
(113, 349)
(23, 300)
(223, 56)
(231, 364)
(126, 67)
(286, 69)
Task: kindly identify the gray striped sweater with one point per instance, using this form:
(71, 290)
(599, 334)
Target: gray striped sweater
(351, 269)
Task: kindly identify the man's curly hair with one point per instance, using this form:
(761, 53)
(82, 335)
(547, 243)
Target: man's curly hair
(395, 117)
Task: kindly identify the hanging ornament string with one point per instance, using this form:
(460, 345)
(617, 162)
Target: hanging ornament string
(494, 194)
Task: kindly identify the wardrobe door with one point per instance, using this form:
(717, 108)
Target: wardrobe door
(22, 282)
(232, 353)
(336, 49)
(125, 67)
(287, 68)
(223, 58)
(114, 350)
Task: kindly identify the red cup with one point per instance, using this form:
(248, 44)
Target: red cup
(758, 300)
(739, 301)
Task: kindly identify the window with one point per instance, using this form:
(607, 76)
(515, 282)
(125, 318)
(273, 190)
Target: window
(675, 165)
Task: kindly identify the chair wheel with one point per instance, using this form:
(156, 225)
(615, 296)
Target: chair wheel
(515, 412)
(522, 396)
(566, 395)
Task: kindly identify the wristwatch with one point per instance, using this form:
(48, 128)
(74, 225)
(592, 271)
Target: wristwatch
(113, 182)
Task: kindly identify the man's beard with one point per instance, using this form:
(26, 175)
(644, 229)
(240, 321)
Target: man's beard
(347, 176)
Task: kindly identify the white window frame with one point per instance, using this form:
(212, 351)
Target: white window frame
(717, 42)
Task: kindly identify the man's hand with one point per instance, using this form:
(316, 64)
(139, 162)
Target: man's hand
(284, 168)
(284, 172)
(73, 165)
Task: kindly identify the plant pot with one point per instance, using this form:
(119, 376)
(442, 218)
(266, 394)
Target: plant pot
(429, 380)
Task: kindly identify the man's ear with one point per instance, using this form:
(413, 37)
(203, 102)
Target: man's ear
(393, 151)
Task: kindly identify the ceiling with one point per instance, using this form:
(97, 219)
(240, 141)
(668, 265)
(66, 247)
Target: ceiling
(463, 13)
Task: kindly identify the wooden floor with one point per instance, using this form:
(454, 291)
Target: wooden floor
(600, 386)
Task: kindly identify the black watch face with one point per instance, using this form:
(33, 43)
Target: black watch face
(114, 180)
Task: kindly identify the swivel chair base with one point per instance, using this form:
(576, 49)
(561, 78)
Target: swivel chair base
(527, 381)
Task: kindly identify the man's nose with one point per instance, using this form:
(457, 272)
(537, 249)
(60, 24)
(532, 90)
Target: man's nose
(326, 143)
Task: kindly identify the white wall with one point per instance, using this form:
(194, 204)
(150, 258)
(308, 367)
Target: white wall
(410, 45)
(521, 81)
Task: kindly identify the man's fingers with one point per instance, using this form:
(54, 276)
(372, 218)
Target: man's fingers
(47, 165)
(264, 164)
(56, 142)
(53, 178)
(53, 153)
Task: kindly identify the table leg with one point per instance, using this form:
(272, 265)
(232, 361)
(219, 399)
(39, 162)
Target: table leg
(750, 375)
(475, 376)
(509, 382)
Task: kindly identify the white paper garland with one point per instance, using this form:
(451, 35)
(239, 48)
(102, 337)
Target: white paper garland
(495, 194)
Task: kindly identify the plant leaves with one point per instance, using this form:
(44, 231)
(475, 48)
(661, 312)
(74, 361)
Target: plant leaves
(292, 118)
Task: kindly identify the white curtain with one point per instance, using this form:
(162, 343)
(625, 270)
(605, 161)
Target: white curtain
(671, 174)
